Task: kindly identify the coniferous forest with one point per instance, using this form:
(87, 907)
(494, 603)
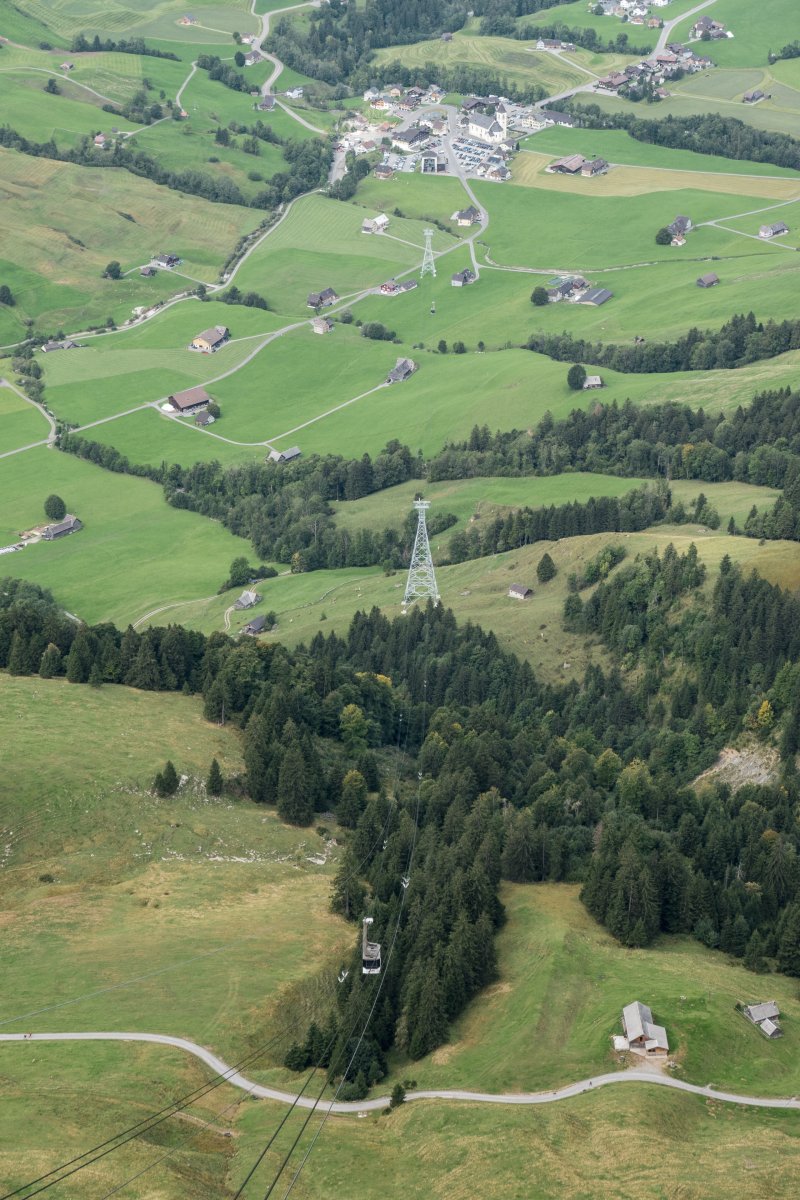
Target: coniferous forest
(449, 763)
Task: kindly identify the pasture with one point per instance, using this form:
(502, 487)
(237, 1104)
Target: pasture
(134, 553)
(562, 224)
(756, 31)
(326, 601)
(505, 57)
(153, 358)
(563, 983)
(20, 422)
(120, 910)
(53, 255)
(319, 244)
(778, 115)
(150, 18)
(617, 146)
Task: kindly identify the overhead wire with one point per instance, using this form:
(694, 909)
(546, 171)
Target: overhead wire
(369, 1014)
(143, 1126)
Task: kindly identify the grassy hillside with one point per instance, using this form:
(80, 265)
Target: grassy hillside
(192, 915)
(478, 591)
(53, 254)
(563, 982)
(134, 553)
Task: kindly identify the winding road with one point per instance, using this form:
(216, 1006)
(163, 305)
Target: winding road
(380, 1102)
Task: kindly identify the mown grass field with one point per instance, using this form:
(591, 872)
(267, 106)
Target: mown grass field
(701, 93)
(319, 244)
(617, 146)
(134, 553)
(486, 498)
(53, 255)
(563, 984)
(20, 422)
(756, 31)
(154, 359)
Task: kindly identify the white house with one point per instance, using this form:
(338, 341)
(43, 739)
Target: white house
(377, 224)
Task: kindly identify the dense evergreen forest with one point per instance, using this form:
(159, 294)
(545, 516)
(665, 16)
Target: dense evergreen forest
(422, 734)
(707, 133)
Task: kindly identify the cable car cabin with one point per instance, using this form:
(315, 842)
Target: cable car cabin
(370, 952)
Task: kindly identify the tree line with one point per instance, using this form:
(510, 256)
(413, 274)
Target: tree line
(739, 341)
(706, 133)
(308, 162)
(83, 45)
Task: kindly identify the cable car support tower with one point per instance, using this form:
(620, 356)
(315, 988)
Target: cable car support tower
(428, 262)
(421, 583)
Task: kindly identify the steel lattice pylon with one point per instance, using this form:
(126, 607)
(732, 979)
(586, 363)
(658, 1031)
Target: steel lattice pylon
(428, 264)
(421, 583)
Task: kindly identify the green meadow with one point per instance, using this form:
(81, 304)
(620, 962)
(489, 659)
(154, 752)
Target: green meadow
(134, 553)
(701, 93)
(20, 422)
(756, 30)
(150, 18)
(154, 358)
(53, 256)
(617, 146)
(477, 591)
(511, 59)
(319, 244)
(562, 229)
(563, 984)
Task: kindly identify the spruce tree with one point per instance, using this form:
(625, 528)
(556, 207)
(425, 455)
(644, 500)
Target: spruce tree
(95, 676)
(295, 804)
(754, 958)
(545, 569)
(50, 665)
(215, 782)
(166, 781)
(789, 941)
(354, 799)
(18, 655)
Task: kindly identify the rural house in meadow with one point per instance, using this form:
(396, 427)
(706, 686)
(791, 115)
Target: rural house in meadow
(284, 456)
(321, 299)
(403, 369)
(765, 1016)
(256, 626)
(247, 599)
(189, 401)
(592, 381)
(462, 278)
(60, 529)
(680, 227)
(518, 591)
(466, 216)
(377, 224)
(774, 230)
(640, 1032)
(166, 260)
(203, 419)
(322, 325)
(210, 340)
(708, 280)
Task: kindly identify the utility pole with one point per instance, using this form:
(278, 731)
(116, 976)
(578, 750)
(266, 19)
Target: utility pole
(428, 264)
(421, 583)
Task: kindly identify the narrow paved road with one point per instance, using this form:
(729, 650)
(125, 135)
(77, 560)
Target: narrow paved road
(34, 404)
(515, 1098)
(277, 65)
(670, 25)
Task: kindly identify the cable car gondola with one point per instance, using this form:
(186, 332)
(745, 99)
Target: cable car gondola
(370, 952)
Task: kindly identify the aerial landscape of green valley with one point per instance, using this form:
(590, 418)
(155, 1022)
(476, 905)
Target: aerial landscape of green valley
(399, 599)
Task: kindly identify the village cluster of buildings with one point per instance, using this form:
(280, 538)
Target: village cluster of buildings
(675, 60)
(635, 12)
